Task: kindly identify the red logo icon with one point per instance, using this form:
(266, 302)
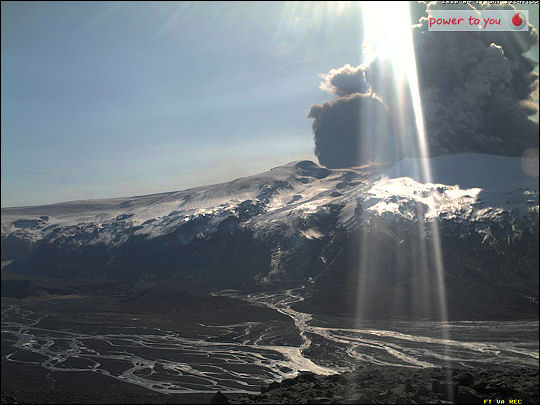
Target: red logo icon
(518, 22)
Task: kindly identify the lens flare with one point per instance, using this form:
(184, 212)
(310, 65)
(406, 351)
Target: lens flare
(389, 39)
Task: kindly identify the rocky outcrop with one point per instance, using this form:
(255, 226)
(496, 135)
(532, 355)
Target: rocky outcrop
(395, 385)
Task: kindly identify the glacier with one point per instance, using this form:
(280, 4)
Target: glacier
(296, 224)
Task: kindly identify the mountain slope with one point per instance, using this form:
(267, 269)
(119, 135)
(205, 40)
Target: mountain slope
(337, 230)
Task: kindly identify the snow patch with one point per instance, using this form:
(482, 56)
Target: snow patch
(312, 233)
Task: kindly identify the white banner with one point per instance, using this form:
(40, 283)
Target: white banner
(478, 20)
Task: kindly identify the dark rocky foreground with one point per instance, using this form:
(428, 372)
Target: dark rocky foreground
(392, 385)
(367, 385)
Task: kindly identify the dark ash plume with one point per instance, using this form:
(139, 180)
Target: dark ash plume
(338, 123)
(478, 93)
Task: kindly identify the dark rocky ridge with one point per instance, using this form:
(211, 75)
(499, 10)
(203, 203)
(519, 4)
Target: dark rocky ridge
(394, 385)
(496, 280)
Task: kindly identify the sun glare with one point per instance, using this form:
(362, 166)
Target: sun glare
(388, 37)
(387, 32)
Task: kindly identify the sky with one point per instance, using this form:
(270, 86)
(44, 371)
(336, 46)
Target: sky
(111, 99)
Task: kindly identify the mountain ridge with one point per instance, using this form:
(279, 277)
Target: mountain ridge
(301, 224)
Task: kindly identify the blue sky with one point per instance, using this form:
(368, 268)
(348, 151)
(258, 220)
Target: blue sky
(108, 99)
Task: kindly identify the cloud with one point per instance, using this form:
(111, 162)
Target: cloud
(337, 124)
(345, 80)
(478, 93)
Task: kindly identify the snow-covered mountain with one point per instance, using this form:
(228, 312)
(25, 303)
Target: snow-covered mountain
(295, 224)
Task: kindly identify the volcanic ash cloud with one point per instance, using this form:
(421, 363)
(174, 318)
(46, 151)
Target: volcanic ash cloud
(478, 94)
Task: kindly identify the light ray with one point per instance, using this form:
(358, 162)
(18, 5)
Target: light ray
(389, 38)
